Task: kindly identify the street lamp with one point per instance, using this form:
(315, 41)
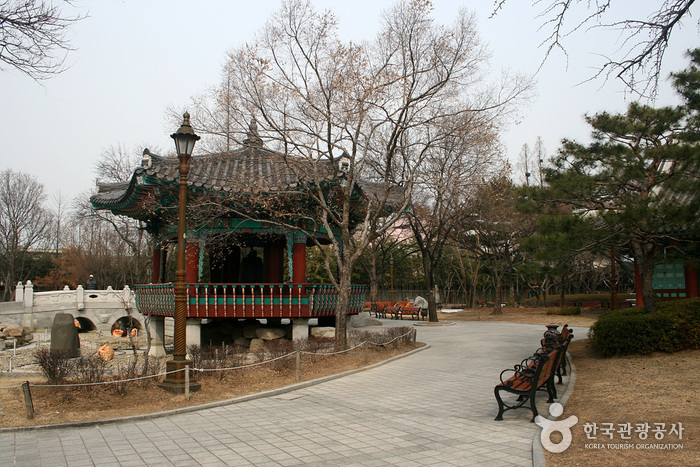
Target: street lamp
(175, 378)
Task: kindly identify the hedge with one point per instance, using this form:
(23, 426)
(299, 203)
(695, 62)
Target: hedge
(674, 326)
(553, 299)
(565, 311)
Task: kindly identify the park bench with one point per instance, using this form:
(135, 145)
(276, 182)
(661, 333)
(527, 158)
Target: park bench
(407, 309)
(391, 312)
(378, 308)
(413, 311)
(533, 373)
(562, 340)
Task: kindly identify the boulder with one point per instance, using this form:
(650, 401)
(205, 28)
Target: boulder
(363, 319)
(269, 334)
(322, 332)
(64, 335)
(249, 331)
(242, 342)
(256, 345)
(10, 332)
(106, 353)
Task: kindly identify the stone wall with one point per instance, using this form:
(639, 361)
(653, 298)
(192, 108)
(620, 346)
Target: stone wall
(35, 310)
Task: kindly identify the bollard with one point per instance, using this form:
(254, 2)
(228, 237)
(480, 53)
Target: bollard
(28, 400)
(14, 348)
(10, 364)
(298, 364)
(187, 382)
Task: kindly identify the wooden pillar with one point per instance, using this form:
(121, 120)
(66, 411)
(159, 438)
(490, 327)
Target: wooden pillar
(299, 259)
(692, 285)
(273, 261)
(192, 263)
(155, 267)
(638, 286)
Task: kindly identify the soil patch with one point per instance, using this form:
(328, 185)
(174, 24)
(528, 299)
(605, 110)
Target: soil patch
(528, 315)
(636, 389)
(61, 405)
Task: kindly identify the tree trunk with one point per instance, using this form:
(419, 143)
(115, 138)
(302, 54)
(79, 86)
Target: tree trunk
(430, 287)
(645, 255)
(562, 295)
(373, 281)
(341, 311)
(498, 284)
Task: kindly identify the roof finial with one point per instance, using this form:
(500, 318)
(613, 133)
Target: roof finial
(253, 138)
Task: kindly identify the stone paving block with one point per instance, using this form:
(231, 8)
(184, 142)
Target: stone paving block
(435, 407)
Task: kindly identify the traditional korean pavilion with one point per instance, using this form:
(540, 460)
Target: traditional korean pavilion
(244, 260)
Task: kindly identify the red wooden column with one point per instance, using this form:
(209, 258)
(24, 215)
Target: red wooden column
(691, 281)
(192, 262)
(274, 253)
(299, 259)
(638, 286)
(155, 267)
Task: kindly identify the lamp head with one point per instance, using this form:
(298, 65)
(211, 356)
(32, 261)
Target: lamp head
(185, 137)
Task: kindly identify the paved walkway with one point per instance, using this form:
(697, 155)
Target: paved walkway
(435, 407)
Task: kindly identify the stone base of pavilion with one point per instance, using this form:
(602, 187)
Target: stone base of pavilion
(251, 332)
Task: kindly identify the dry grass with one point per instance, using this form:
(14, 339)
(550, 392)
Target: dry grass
(658, 388)
(60, 405)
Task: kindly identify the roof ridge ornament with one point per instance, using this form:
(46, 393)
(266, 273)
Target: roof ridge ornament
(253, 137)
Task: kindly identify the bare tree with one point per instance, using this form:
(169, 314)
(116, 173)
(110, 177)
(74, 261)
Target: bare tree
(24, 223)
(450, 174)
(525, 164)
(495, 230)
(104, 234)
(33, 37)
(540, 157)
(365, 112)
(637, 62)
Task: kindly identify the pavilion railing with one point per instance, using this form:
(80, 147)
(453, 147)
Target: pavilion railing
(248, 300)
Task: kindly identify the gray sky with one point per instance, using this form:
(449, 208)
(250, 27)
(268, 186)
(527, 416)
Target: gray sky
(134, 58)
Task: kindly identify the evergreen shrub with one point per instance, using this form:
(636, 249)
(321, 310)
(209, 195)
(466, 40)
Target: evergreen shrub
(674, 326)
(565, 311)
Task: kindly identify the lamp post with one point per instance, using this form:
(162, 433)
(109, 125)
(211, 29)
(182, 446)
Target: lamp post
(175, 379)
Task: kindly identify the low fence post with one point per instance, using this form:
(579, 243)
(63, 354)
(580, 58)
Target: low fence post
(187, 382)
(298, 364)
(28, 404)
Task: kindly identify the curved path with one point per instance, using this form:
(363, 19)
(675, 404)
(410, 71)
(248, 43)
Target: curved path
(435, 407)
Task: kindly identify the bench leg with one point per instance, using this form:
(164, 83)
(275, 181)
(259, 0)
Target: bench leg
(551, 391)
(533, 405)
(501, 407)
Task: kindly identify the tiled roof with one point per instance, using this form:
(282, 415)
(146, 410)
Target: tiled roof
(251, 168)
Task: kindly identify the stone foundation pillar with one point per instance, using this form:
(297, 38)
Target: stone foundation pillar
(193, 331)
(157, 328)
(300, 329)
(19, 292)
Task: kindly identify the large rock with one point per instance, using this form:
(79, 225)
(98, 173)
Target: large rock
(256, 345)
(249, 331)
(242, 342)
(64, 335)
(363, 319)
(322, 332)
(10, 332)
(269, 334)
